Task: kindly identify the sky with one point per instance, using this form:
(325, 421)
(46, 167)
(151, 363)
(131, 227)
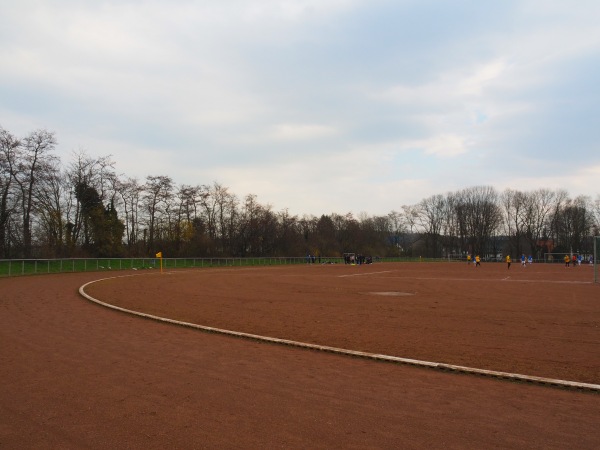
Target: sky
(314, 106)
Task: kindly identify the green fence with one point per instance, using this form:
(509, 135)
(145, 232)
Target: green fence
(18, 267)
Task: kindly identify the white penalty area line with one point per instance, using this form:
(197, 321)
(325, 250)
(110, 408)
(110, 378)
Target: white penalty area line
(340, 351)
(548, 281)
(364, 274)
(508, 278)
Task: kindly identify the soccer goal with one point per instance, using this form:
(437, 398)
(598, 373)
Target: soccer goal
(555, 257)
(587, 258)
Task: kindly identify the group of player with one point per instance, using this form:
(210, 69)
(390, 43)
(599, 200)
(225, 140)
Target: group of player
(576, 260)
(476, 261)
(524, 260)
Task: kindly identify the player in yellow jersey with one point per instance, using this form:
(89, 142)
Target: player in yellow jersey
(508, 260)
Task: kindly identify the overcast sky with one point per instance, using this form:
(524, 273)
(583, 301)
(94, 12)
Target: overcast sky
(317, 106)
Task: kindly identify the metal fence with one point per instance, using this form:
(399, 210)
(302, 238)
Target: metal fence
(18, 267)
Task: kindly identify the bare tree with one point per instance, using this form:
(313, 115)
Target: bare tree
(452, 244)
(44, 207)
(596, 215)
(209, 202)
(481, 215)
(410, 220)
(86, 172)
(573, 224)
(539, 205)
(249, 233)
(34, 161)
(158, 192)
(349, 232)
(188, 200)
(228, 218)
(50, 209)
(326, 237)
(307, 226)
(555, 223)
(130, 191)
(8, 167)
(398, 229)
(431, 218)
(289, 241)
(514, 208)
(220, 217)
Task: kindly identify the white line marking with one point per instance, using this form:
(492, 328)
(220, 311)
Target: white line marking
(362, 274)
(552, 281)
(496, 279)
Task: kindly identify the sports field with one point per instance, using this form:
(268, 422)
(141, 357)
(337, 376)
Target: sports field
(76, 374)
(541, 320)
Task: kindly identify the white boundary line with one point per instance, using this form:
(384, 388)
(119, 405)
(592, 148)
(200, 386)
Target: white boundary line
(340, 351)
(478, 279)
(363, 274)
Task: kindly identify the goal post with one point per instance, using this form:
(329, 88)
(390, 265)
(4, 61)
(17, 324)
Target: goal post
(596, 254)
(553, 257)
(556, 257)
(592, 258)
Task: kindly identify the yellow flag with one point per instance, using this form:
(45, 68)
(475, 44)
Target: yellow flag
(159, 255)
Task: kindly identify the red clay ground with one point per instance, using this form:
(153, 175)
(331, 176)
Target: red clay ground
(75, 375)
(541, 320)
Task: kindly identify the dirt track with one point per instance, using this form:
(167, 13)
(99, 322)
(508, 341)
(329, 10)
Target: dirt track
(76, 375)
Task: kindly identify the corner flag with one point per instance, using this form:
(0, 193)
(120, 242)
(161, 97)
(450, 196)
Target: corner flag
(159, 256)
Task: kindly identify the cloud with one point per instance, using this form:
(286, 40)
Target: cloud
(337, 183)
(313, 105)
(444, 146)
(299, 132)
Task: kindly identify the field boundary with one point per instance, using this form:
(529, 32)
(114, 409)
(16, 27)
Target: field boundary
(346, 352)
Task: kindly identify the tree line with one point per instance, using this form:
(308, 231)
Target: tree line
(85, 209)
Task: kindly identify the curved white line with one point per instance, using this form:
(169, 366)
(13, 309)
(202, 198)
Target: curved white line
(341, 351)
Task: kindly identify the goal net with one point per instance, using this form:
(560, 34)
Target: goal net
(558, 257)
(585, 258)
